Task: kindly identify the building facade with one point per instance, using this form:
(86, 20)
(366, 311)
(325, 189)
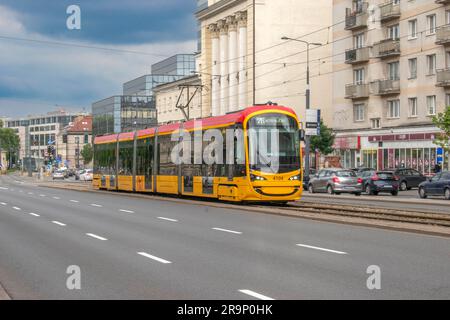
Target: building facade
(172, 97)
(390, 76)
(243, 61)
(72, 140)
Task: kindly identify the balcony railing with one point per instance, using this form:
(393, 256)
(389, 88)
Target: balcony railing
(444, 2)
(443, 78)
(385, 87)
(359, 55)
(443, 34)
(389, 11)
(357, 91)
(386, 48)
(356, 18)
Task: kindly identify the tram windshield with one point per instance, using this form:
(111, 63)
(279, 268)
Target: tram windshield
(274, 144)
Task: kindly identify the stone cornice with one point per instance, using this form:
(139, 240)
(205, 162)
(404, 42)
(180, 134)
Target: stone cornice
(217, 8)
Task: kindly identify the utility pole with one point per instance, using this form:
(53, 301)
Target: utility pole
(77, 140)
(308, 99)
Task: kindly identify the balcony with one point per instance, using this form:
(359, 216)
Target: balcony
(354, 56)
(443, 78)
(443, 35)
(356, 18)
(389, 11)
(444, 2)
(386, 48)
(385, 87)
(357, 91)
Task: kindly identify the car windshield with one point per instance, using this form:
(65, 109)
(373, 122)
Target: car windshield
(274, 145)
(346, 174)
(385, 175)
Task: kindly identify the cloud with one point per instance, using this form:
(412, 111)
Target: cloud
(36, 74)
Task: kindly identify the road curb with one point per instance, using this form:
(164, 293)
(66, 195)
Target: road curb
(3, 294)
(354, 221)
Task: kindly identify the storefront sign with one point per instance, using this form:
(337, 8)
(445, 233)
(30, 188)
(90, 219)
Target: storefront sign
(347, 143)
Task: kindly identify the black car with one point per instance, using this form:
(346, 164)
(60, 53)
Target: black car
(439, 185)
(408, 178)
(374, 182)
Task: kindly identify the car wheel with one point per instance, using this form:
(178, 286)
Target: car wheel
(422, 193)
(447, 194)
(369, 190)
(394, 193)
(403, 186)
(310, 188)
(375, 193)
(330, 190)
(357, 194)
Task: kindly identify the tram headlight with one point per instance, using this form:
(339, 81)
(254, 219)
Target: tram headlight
(257, 178)
(295, 178)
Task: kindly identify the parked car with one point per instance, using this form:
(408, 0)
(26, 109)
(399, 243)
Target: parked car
(360, 170)
(58, 174)
(408, 178)
(335, 181)
(439, 185)
(374, 182)
(306, 178)
(87, 175)
(78, 173)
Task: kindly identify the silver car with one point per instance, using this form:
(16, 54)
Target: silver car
(336, 181)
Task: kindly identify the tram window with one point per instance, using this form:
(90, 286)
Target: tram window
(144, 156)
(126, 158)
(166, 166)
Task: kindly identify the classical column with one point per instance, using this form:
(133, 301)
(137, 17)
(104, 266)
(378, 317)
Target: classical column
(223, 66)
(233, 64)
(243, 88)
(215, 70)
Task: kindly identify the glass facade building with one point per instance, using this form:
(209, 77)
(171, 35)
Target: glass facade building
(123, 114)
(143, 86)
(178, 65)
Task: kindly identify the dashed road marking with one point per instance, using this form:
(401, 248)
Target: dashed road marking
(17, 208)
(144, 254)
(126, 211)
(255, 294)
(168, 219)
(59, 223)
(34, 214)
(320, 249)
(96, 205)
(226, 230)
(96, 236)
(74, 201)
(56, 198)
(3, 203)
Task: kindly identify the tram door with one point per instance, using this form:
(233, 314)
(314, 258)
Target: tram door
(149, 164)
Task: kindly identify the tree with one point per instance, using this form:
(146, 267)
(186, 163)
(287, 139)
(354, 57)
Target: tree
(1, 123)
(324, 142)
(442, 121)
(9, 142)
(87, 153)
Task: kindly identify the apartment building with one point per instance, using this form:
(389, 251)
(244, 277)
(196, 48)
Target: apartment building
(72, 139)
(242, 59)
(390, 76)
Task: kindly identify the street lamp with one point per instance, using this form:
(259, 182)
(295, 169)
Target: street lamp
(308, 95)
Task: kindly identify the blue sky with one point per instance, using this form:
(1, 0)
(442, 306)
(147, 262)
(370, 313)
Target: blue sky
(36, 76)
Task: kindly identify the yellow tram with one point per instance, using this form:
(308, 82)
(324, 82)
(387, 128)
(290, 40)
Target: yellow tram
(143, 161)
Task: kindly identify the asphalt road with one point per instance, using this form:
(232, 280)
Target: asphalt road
(133, 248)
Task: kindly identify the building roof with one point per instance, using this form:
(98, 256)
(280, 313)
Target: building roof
(81, 124)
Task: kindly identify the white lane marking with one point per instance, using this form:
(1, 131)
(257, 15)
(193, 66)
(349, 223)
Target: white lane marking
(144, 254)
(34, 214)
(255, 294)
(42, 195)
(168, 219)
(74, 201)
(17, 208)
(59, 223)
(56, 198)
(96, 205)
(321, 249)
(3, 188)
(96, 236)
(21, 191)
(30, 193)
(126, 211)
(3, 203)
(226, 230)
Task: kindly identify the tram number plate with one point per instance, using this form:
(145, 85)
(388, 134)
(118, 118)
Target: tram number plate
(278, 178)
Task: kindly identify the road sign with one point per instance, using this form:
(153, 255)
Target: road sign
(312, 123)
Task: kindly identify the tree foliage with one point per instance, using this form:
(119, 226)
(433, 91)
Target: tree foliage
(9, 142)
(87, 153)
(442, 121)
(324, 142)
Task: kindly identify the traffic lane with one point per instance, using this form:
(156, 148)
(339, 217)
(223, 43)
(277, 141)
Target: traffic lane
(421, 268)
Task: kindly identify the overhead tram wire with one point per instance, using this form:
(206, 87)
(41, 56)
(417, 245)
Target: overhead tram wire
(76, 45)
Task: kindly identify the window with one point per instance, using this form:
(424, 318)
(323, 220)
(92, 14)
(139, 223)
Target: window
(447, 100)
(431, 64)
(358, 76)
(431, 105)
(412, 107)
(412, 24)
(412, 68)
(376, 123)
(447, 16)
(358, 112)
(86, 139)
(393, 70)
(358, 41)
(431, 24)
(393, 109)
(64, 138)
(394, 32)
